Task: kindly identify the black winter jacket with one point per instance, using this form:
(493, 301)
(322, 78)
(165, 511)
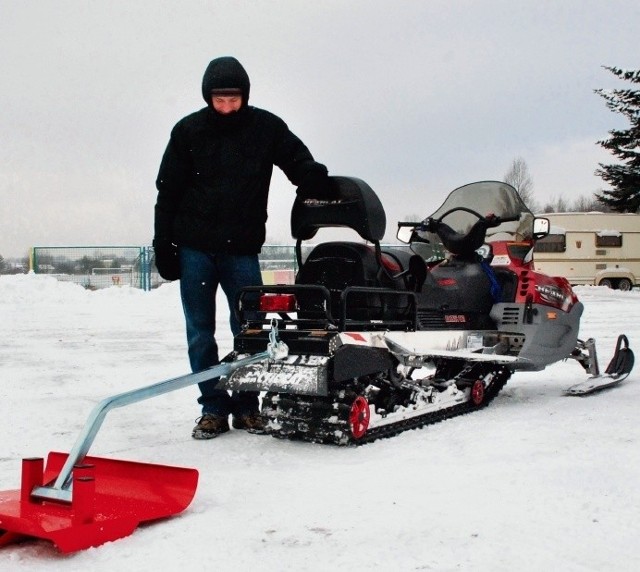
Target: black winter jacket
(214, 178)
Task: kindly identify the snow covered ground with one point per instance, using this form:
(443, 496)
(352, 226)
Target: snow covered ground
(536, 481)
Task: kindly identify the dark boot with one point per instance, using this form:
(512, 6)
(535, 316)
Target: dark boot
(210, 426)
(252, 422)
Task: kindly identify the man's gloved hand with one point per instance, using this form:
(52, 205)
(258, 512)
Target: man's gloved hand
(167, 259)
(318, 185)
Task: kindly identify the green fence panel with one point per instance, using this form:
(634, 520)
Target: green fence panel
(94, 267)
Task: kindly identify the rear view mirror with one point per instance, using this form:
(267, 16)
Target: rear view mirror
(540, 227)
(404, 234)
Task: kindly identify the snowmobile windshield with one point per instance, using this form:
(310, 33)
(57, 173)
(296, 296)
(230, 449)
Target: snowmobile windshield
(485, 197)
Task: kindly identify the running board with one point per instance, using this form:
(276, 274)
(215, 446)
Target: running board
(462, 345)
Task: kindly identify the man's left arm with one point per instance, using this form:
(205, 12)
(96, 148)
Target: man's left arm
(297, 163)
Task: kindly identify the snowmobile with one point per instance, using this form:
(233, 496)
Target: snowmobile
(380, 341)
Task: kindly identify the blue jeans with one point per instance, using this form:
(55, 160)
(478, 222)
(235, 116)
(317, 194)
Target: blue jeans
(201, 273)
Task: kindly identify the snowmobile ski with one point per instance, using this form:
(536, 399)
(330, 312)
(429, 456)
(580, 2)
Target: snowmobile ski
(593, 384)
(618, 369)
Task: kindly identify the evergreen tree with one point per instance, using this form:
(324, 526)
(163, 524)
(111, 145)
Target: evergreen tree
(623, 143)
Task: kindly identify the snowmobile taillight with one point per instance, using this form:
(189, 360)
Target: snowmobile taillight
(277, 302)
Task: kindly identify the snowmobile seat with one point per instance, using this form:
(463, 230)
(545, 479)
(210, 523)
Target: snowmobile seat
(340, 265)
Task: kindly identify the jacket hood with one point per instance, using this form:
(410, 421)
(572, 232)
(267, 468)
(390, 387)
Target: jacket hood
(225, 73)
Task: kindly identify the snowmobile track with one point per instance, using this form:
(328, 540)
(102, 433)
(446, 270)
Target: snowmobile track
(306, 419)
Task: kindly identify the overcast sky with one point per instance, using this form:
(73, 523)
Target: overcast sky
(416, 97)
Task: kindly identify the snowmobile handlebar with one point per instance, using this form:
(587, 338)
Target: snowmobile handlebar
(431, 224)
(459, 243)
(489, 220)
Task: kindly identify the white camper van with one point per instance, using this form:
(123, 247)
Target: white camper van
(601, 249)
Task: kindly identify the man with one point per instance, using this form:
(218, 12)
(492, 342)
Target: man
(210, 217)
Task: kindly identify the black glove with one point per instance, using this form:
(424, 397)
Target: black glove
(318, 185)
(167, 259)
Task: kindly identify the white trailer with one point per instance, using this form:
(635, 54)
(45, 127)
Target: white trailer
(602, 249)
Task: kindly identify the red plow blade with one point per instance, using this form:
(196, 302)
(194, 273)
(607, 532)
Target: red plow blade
(77, 506)
(110, 499)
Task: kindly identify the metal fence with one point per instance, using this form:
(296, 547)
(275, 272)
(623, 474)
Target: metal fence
(95, 267)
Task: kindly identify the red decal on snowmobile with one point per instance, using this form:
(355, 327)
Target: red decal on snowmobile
(357, 337)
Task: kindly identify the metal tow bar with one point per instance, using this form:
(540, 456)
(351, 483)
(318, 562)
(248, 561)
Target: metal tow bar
(60, 490)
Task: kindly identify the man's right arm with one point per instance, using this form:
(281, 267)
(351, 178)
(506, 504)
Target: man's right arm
(173, 177)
